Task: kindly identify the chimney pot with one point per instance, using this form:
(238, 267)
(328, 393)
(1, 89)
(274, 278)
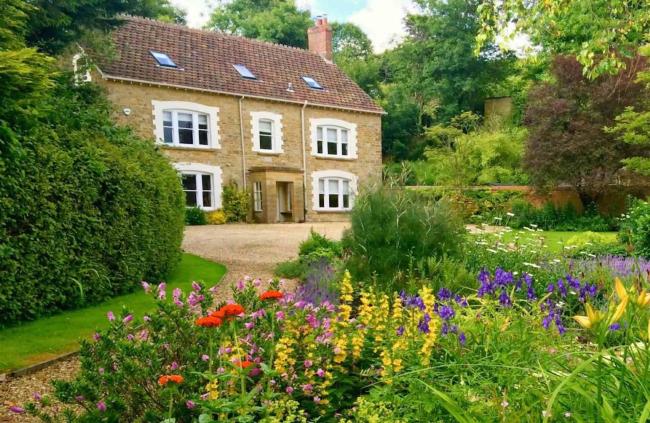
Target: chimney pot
(320, 38)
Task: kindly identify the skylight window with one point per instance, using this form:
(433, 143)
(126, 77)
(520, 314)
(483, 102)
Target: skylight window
(244, 72)
(312, 83)
(163, 59)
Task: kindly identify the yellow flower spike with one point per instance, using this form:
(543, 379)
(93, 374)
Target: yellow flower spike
(620, 289)
(594, 316)
(620, 310)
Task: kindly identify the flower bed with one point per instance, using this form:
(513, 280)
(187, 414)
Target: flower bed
(516, 349)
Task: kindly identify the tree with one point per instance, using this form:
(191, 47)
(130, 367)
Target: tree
(601, 33)
(353, 55)
(567, 143)
(53, 25)
(277, 21)
(633, 127)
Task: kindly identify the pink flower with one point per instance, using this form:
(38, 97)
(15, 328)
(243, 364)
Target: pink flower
(101, 406)
(257, 282)
(196, 287)
(279, 315)
(308, 363)
(79, 398)
(289, 390)
(190, 404)
(110, 316)
(193, 299)
(258, 314)
(37, 396)
(174, 365)
(240, 285)
(205, 357)
(127, 319)
(317, 400)
(307, 388)
(146, 287)
(146, 318)
(101, 370)
(221, 370)
(320, 372)
(96, 336)
(130, 337)
(214, 289)
(144, 335)
(313, 321)
(249, 325)
(204, 397)
(162, 294)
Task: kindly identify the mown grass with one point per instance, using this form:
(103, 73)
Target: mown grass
(48, 337)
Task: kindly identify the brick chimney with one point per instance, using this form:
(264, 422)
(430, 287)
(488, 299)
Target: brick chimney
(320, 38)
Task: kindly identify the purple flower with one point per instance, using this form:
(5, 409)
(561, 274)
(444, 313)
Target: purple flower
(502, 278)
(101, 406)
(307, 388)
(550, 287)
(205, 357)
(289, 390)
(249, 325)
(196, 287)
(79, 398)
(16, 409)
(320, 372)
(144, 335)
(130, 337)
(37, 396)
(146, 287)
(190, 404)
(111, 316)
(308, 364)
(258, 314)
(174, 365)
(214, 290)
(462, 339)
(423, 325)
(444, 294)
(400, 331)
(446, 312)
(127, 319)
(614, 327)
(195, 299)
(461, 301)
(96, 336)
(279, 315)
(504, 299)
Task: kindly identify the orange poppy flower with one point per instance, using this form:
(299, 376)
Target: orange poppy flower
(220, 314)
(232, 309)
(208, 322)
(271, 295)
(243, 364)
(165, 379)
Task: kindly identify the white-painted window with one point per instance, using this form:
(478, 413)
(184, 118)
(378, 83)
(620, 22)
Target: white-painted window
(266, 130)
(333, 190)
(184, 124)
(257, 196)
(201, 185)
(334, 138)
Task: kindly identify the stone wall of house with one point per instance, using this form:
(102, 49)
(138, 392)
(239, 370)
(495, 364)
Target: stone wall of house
(137, 98)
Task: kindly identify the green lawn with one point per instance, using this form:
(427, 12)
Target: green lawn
(45, 338)
(556, 241)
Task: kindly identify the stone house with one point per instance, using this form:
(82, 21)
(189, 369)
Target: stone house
(282, 122)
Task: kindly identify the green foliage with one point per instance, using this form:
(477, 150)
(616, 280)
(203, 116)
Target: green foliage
(88, 209)
(235, 203)
(317, 242)
(391, 229)
(195, 216)
(315, 249)
(291, 269)
(559, 218)
(600, 33)
(277, 21)
(635, 228)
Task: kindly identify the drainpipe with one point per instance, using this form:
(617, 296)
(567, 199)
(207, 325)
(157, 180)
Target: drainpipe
(241, 136)
(304, 162)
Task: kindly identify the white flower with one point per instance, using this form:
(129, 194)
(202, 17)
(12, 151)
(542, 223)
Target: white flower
(567, 414)
(504, 403)
(491, 250)
(510, 214)
(546, 414)
(533, 225)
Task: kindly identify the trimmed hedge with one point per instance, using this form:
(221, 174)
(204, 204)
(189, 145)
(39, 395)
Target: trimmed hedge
(87, 209)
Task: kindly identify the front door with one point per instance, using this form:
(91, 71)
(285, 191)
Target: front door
(284, 190)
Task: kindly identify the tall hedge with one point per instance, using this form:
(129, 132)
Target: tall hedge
(87, 209)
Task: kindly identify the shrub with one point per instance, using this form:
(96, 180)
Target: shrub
(391, 229)
(217, 217)
(87, 209)
(235, 203)
(291, 269)
(316, 248)
(635, 228)
(559, 218)
(195, 216)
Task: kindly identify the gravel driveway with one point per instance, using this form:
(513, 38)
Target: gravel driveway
(253, 250)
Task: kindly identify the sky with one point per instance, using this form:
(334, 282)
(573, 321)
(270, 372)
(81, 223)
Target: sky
(382, 20)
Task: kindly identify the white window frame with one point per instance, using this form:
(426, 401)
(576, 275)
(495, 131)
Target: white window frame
(276, 141)
(327, 175)
(203, 169)
(159, 107)
(338, 124)
(257, 196)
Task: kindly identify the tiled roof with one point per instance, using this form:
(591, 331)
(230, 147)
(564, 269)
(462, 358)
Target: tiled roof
(205, 61)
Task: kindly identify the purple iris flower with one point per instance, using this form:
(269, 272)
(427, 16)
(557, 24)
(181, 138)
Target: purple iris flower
(423, 325)
(444, 294)
(446, 312)
(400, 331)
(614, 327)
(462, 338)
(504, 298)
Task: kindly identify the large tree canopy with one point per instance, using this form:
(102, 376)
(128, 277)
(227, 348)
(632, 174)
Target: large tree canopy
(566, 119)
(278, 21)
(601, 33)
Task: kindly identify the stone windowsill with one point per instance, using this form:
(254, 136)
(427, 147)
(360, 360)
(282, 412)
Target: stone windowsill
(183, 148)
(336, 158)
